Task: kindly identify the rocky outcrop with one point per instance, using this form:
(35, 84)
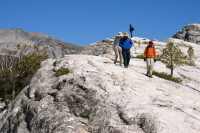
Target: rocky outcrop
(100, 97)
(194, 30)
(9, 38)
(99, 48)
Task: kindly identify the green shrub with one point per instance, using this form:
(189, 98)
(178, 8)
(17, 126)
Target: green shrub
(167, 77)
(37, 98)
(139, 56)
(61, 71)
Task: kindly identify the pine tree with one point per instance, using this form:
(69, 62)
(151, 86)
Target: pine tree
(172, 56)
(17, 69)
(191, 57)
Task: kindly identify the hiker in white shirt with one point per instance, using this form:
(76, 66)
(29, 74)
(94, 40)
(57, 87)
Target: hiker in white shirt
(117, 49)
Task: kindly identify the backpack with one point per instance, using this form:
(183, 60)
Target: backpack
(147, 49)
(131, 28)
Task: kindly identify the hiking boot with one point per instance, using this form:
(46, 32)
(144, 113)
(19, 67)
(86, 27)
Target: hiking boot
(150, 76)
(125, 66)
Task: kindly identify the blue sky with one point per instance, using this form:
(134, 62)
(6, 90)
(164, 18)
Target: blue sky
(83, 22)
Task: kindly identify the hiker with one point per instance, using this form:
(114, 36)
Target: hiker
(117, 48)
(187, 36)
(131, 29)
(150, 58)
(126, 44)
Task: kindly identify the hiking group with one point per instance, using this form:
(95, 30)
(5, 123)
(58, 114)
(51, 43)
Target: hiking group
(122, 45)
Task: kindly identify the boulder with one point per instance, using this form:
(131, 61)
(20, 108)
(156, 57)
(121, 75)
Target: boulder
(194, 30)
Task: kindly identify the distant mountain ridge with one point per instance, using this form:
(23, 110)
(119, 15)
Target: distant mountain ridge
(9, 38)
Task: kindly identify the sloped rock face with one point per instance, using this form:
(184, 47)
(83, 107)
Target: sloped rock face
(9, 38)
(100, 97)
(194, 30)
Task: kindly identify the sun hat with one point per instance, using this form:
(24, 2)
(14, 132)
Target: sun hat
(151, 41)
(119, 34)
(125, 34)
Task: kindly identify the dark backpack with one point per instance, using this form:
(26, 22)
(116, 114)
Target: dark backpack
(131, 28)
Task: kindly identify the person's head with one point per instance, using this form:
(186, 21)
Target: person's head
(150, 43)
(119, 34)
(125, 35)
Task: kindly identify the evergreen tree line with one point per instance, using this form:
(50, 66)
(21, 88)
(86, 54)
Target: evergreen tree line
(17, 68)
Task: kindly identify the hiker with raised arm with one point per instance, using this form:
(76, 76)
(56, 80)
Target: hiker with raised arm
(131, 30)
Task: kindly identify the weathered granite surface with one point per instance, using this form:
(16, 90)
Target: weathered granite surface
(100, 97)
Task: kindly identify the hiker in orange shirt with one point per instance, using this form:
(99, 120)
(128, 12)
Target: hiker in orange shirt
(150, 58)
